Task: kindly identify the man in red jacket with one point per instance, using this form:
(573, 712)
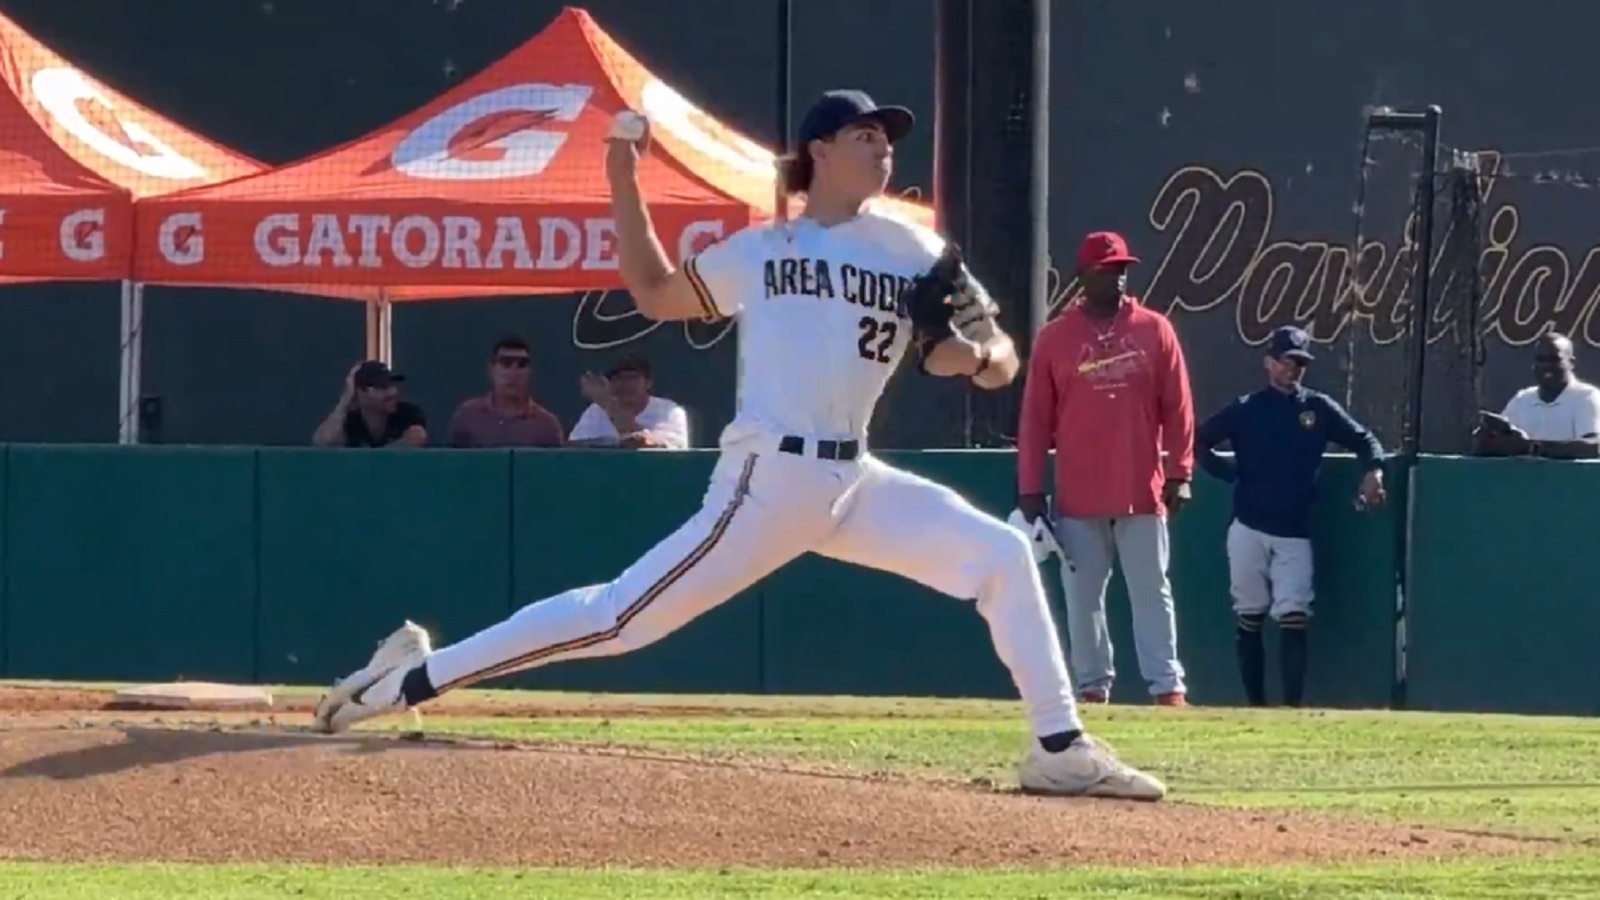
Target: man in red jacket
(1108, 389)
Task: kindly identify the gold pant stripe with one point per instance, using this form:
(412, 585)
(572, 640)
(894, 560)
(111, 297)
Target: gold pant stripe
(718, 529)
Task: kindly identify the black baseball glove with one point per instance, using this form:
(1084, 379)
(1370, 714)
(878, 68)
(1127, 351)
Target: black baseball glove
(944, 301)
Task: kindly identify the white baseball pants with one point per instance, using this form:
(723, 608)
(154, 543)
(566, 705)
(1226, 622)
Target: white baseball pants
(763, 509)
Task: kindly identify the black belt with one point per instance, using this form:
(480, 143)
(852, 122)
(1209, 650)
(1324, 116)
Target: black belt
(839, 450)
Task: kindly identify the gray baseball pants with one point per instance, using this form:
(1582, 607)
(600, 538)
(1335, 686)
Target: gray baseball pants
(1140, 543)
(1269, 574)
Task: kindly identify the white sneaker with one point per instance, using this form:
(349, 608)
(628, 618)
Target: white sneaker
(1086, 769)
(374, 690)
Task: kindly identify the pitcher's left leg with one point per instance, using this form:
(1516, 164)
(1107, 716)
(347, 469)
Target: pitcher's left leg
(752, 519)
(902, 523)
(1142, 547)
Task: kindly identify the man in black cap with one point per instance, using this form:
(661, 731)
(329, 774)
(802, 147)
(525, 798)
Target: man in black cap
(828, 305)
(370, 412)
(623, 412)
(1278, 436)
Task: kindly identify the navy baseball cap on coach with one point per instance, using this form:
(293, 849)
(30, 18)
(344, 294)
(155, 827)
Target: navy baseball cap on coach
(1289, 342)
(832, 112)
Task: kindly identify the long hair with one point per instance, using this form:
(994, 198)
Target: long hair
(796, 170)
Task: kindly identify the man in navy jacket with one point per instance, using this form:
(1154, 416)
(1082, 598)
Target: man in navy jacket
(1278, 435)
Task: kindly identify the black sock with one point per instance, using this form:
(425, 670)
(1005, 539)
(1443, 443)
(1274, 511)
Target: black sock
(1252, 655)
(416, 688)
(1292, 659)
(1061, 740)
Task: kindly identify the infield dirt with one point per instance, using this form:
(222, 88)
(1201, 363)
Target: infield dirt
(81, 783)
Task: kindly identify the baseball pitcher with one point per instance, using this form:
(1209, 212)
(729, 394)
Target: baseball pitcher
(829, 304)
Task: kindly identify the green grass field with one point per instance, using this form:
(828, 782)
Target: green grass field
(1501, 774)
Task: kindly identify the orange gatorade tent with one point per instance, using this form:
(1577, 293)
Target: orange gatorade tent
(497, 186)
(91, 127)
(74, 156)
(60, 220)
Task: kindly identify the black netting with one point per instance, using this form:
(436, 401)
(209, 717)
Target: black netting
(1451, 388)
(1376, 353)
(1372, 353)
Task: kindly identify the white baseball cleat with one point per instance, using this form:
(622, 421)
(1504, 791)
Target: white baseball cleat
(1086, 769)
(374, 690)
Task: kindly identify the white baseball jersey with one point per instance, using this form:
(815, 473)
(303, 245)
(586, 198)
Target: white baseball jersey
(665, 417)
(820, 329)
(1572, 416)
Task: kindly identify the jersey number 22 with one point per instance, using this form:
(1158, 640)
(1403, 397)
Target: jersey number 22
(880, 332)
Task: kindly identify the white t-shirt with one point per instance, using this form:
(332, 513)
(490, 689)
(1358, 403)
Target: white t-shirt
(1573, 416)
(660, 416)
(820, 332)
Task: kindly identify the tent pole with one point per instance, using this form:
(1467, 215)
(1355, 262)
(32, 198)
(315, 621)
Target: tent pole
(131, 341)
(380, 329)
(385, 328)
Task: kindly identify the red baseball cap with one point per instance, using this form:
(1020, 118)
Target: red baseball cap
(1102, 248)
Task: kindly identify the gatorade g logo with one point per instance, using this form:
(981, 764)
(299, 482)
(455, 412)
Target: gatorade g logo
(670, 111)
(88, 115)
(182, 239)
(83, 235)
(493, 135)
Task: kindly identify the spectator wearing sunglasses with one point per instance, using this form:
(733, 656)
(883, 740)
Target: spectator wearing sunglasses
(507, 416)
(623, 411)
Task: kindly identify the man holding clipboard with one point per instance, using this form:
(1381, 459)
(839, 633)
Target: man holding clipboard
(1557, 418)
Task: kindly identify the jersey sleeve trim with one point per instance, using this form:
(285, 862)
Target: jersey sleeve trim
(691, 270)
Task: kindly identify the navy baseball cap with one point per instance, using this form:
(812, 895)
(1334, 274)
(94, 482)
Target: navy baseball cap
(834, 111)
(1289, 342)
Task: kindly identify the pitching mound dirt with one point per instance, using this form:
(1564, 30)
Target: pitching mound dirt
(141, 791)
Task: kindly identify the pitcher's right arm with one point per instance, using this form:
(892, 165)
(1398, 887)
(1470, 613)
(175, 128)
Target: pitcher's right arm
(702, 288)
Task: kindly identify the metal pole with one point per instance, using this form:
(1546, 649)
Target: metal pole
(784, 100)
(1427, 123)
(132, 363)
(952, 118)
(1039, 207)
(1422, 301)
(952, 140)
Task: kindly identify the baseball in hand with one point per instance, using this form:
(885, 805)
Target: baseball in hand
(628, 126)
